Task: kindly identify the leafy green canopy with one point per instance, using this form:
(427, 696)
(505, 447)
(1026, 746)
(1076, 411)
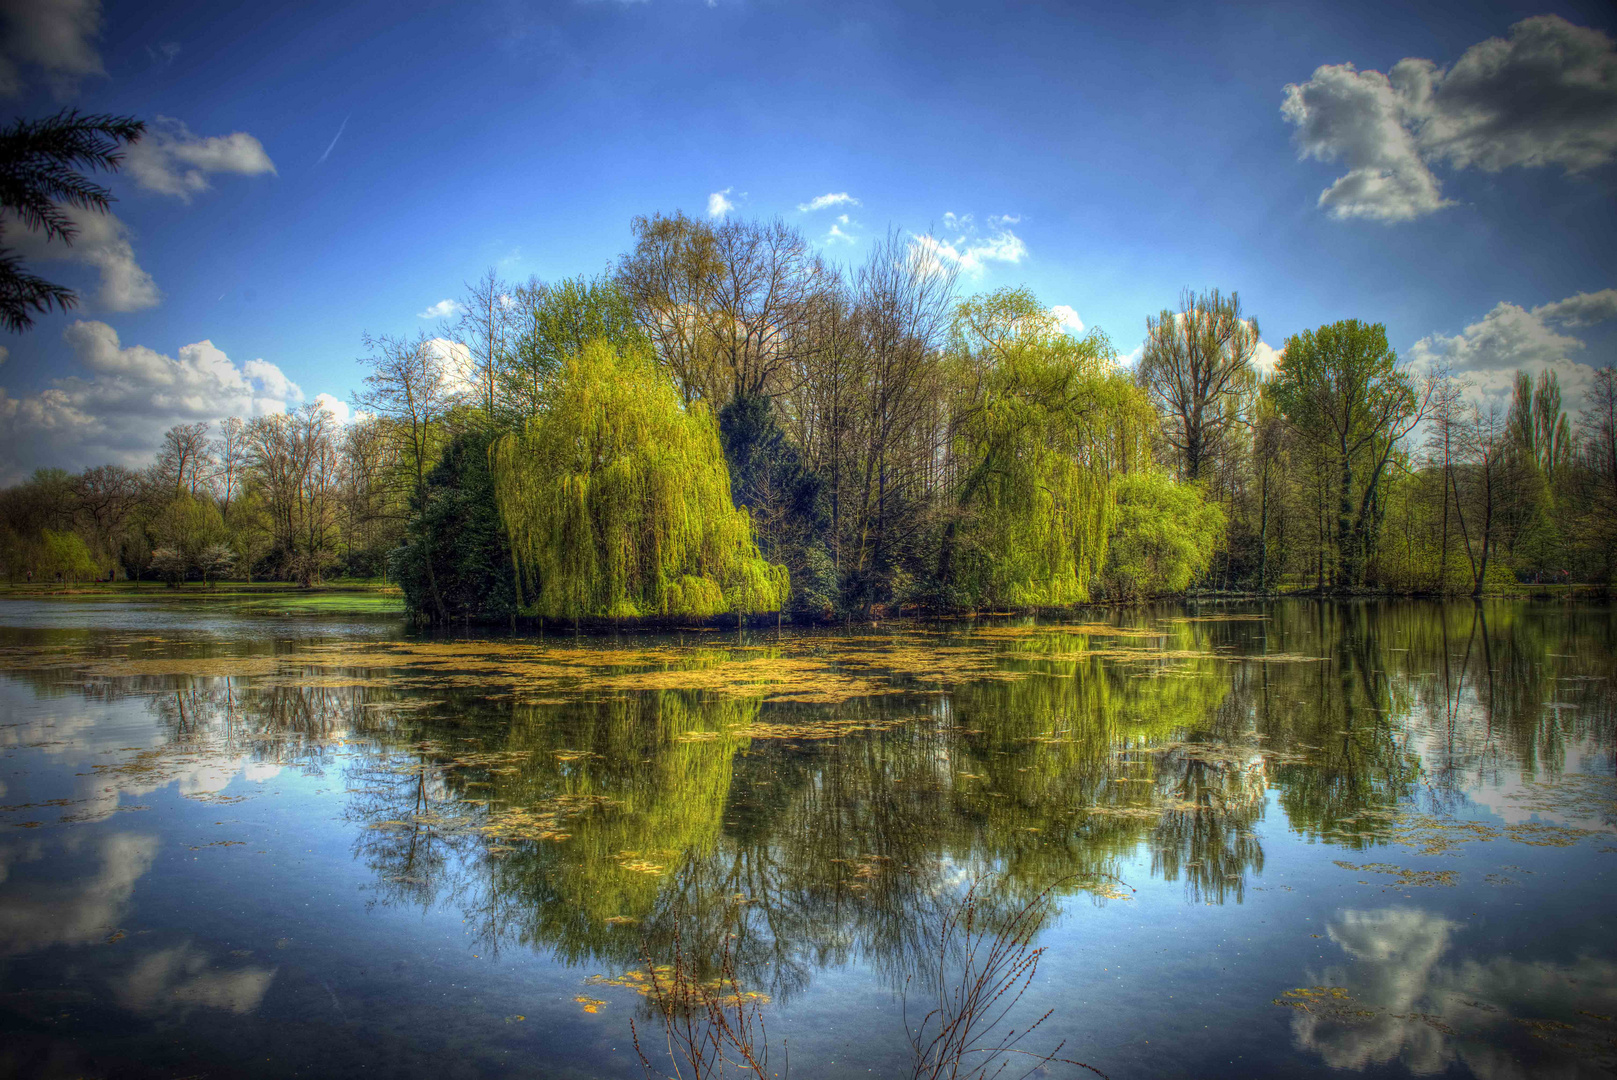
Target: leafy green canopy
(1045, 419)
(1163, 535)
(617, 501)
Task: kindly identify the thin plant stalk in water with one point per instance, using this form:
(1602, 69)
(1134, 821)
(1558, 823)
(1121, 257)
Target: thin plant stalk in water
(978, 973)
(712, 1025)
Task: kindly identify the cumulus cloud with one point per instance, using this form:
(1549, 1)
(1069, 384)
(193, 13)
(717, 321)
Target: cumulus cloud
(1584, 309)
(460, 368)
(1510, 338)
(1069, 318)
(1546, 96)
(172, 161)
(1356, 116)
(37, 912)
(1401, 972)
(336, 406)
(1265, 358)
(103, 243)
(55, 37)
(181, 978)
(443, 309)
(718, 203)
(820, 202)
(963, 246)
(132, 395)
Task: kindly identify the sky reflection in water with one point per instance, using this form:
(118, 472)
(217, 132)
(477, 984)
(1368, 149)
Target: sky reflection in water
(1299, 837)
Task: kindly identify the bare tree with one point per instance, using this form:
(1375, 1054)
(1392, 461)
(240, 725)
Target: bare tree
(1598, 427)
(186, 457)
(732, 310)
(410, 386)
(105, 496)
(486, 326)
(903, 308)
(229, 452)
(1443, 446)
(1197, 367)
(1485, 443)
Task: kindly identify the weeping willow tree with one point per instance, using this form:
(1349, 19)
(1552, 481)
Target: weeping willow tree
(1042, 422)
(617, 501)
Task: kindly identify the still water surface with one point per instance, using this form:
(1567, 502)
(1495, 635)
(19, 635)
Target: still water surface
(1288, 839)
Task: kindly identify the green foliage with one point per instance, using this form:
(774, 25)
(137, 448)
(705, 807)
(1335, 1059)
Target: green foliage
(1044, 419)
(554, 321)
(1342, 390)
(617, 501)
(1163, 534)
(39, 177)
(66, 556)
(455, 563)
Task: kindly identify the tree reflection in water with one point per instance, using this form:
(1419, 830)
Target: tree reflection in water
(598, 826)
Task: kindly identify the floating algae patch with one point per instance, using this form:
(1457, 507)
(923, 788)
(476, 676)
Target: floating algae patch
(1227, 755)
(1430, 835)
(1106, 890)
(671, 990)
(1216, 619)
(1278, 658)
(829, 728)
(1014, 633)
(1313, 998)
(945, 664)
(541, 821)
(1575, 795)
(214, 667)
(1403, 875)
(803, 680)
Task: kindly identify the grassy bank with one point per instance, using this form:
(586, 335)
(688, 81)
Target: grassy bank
(341, 597)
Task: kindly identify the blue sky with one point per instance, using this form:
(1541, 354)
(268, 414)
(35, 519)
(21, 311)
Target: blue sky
(1105, 157)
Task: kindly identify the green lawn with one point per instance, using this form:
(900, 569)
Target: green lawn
(341, 597)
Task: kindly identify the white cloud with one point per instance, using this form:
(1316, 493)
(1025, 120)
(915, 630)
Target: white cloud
(180, 978)
(133, 394)
(1489, 352)
(1584, 309)
(172, 161)
(336, 406)
(1400, 973)
(1546, 96)
(1132, 357)
(1265, 358)
(443, 309)
(58, 37)
(102, 242)
(458, 362)
(1356, 116)
(963, 247)
(718, 205)
(836, 234)
(820, 202)
(1069, 318)
(39, 912)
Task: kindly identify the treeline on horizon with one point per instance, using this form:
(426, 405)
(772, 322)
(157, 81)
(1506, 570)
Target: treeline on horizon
(724, 423)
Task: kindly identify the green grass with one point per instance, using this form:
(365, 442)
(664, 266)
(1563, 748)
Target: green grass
(339, 597)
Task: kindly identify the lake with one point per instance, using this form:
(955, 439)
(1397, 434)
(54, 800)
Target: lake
(1255, 839)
